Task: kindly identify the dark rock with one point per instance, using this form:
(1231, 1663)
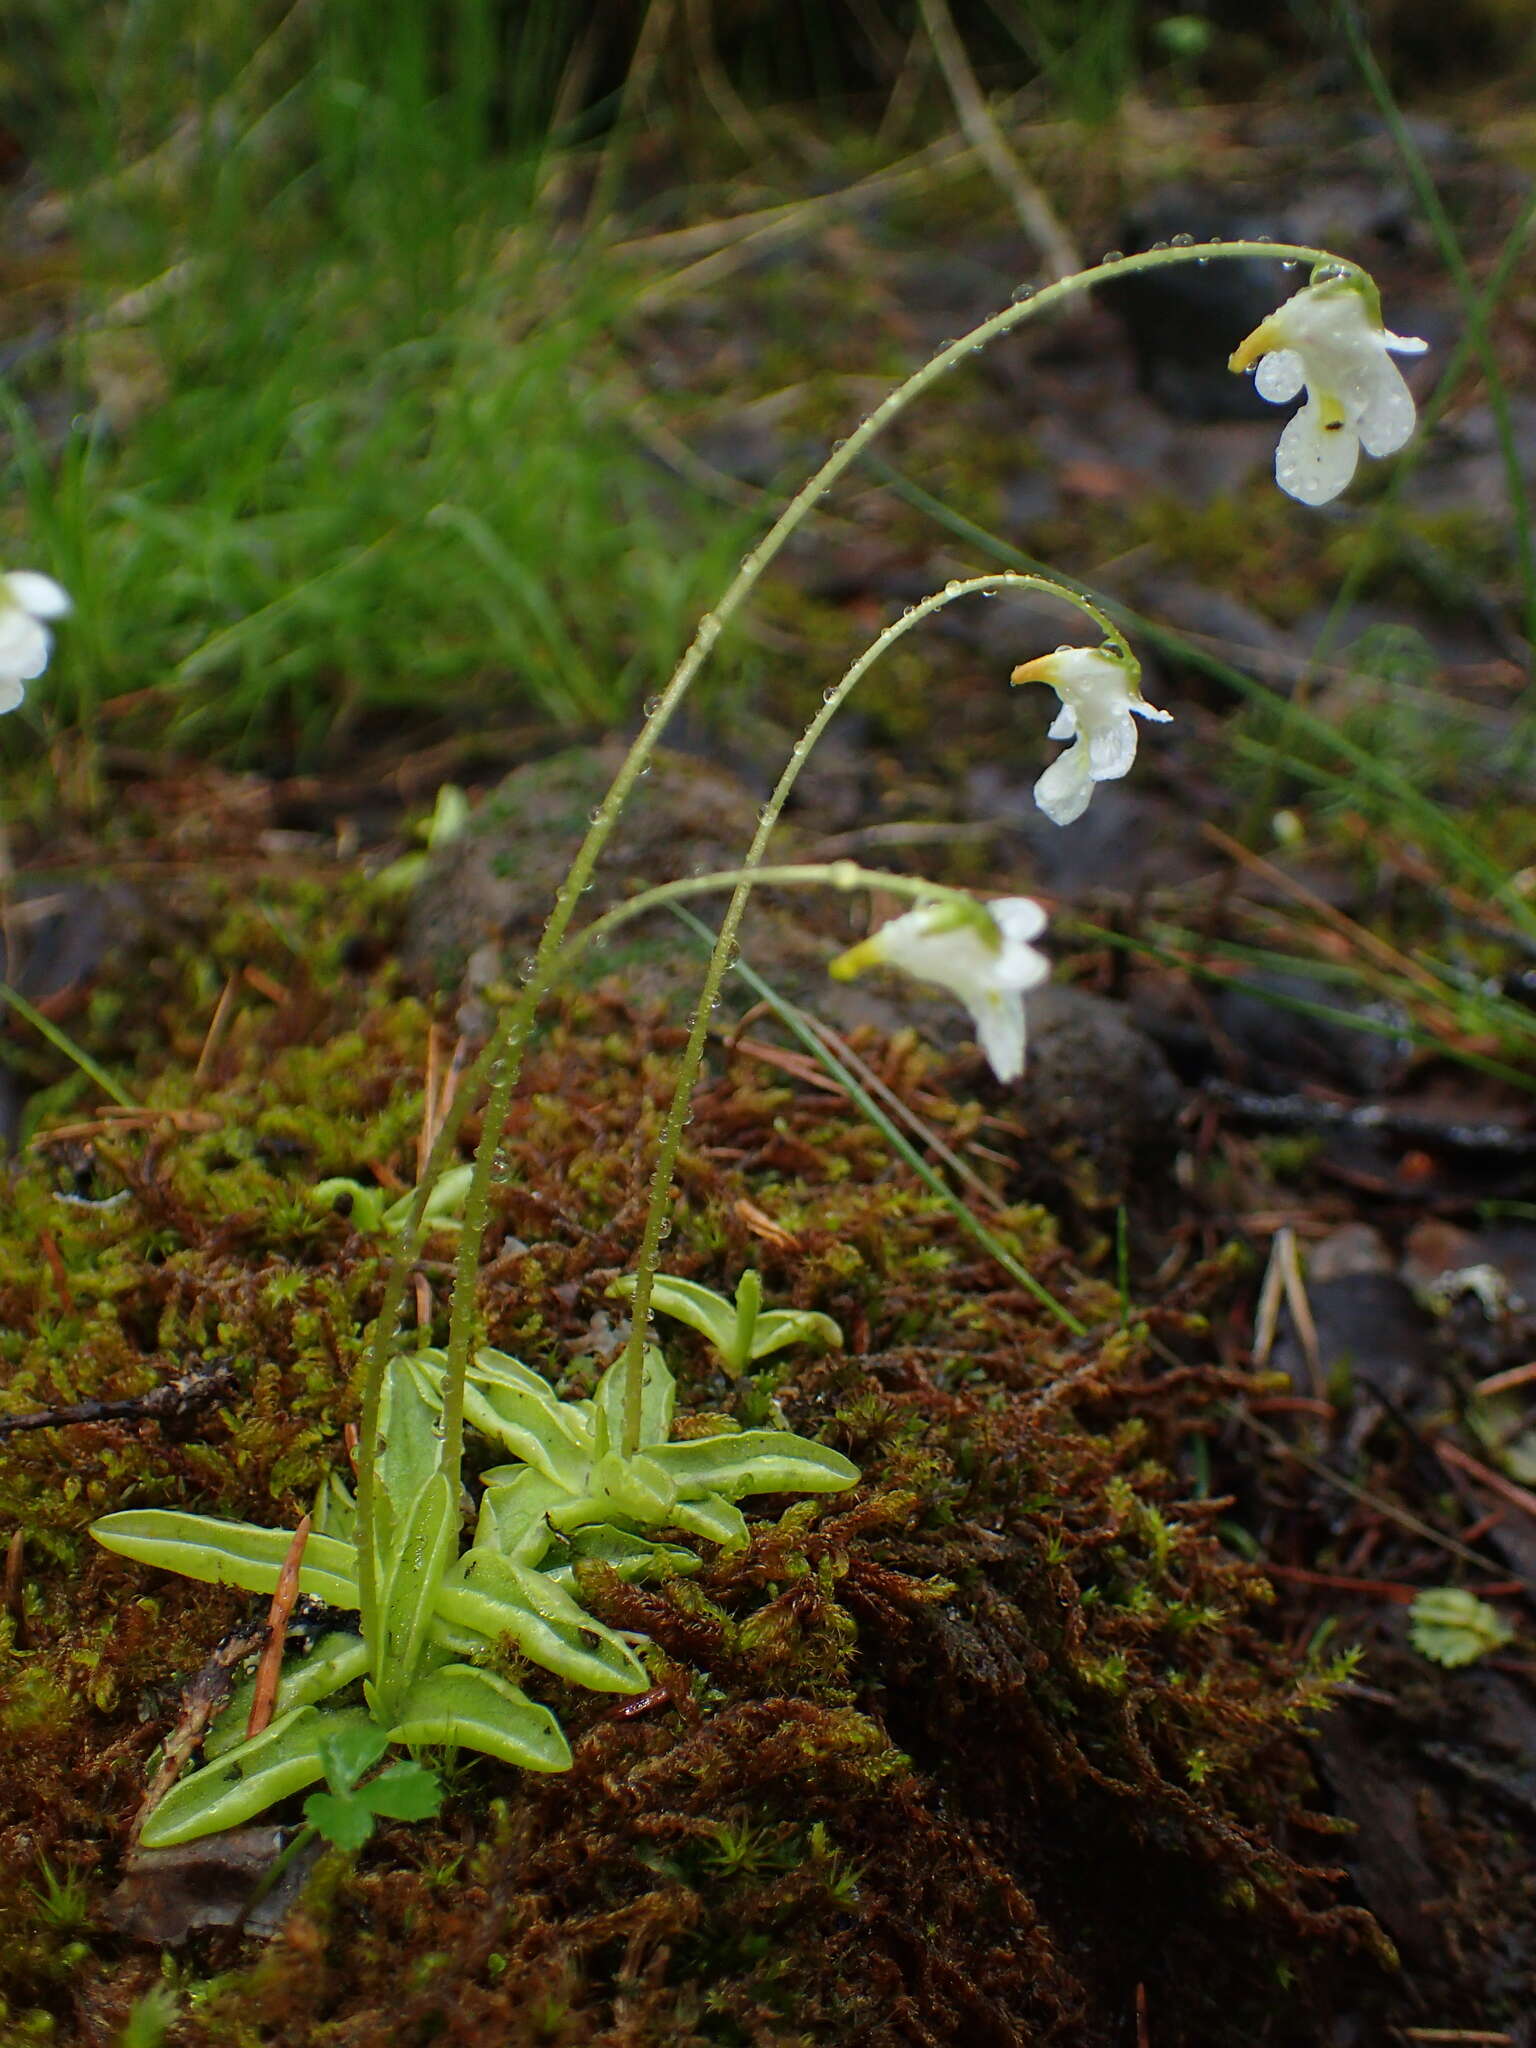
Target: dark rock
(481, 905)
(1371, 1333)
(1185, 320)
(1096, 1094)
(1281, 1046)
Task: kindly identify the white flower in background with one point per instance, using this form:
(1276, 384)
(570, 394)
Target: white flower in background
(980, 952)
(1329, 340)
(26, 600)
(1100, 689)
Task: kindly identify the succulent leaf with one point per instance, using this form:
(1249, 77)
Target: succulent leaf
(221, 1553)
(475, 1709)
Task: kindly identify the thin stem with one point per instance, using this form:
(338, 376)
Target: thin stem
(1437, 824)
(725, 944)
(62, 1042)
(501, 1060)
(810, 1036)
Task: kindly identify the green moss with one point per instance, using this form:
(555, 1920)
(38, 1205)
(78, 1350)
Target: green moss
(986, 1742)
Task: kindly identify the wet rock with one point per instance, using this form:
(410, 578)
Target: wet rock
(1130, 838)
(491, 888)
(1372, 1337)
(1096, 1094)
(57, 942)
(481, 905)
(1281, 1046)
(1345, 1253)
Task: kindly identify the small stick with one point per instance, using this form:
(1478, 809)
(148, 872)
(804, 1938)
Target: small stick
(1338, 1582)
(267, 985)
(1482, 1525)
(1283, 1276)
(199, 1703)
(173, 1401)
(1306, 1113)
(214, 1036)
(12, 1599)
(423, 1291)
(1378, 1503)
(1517, 1496)
(452, 1078)
(1503, 1382)
(269, 1670)
(114, 1120)
(1458, 2034)
(429, 1095)
(49, 1246)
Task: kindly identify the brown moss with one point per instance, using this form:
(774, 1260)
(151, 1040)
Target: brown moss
(965, 1757)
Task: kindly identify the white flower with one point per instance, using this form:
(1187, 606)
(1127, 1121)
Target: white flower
(981, 953)
(26, 599)
(1330, 340)
(1099, 689)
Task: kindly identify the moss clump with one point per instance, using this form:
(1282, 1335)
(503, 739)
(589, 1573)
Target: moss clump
(967, 1756)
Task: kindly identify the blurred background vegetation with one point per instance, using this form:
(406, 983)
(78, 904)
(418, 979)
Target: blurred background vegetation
(324, 332)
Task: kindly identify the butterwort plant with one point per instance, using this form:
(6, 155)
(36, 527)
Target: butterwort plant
(420, 1671)
(604, 1477)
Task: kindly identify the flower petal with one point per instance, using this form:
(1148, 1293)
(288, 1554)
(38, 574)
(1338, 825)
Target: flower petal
(1018, 918)
(24, 645)
(39, 595)
(1403, 344)
(1280, 376)
(1064, 725)
(1111, 746)
(1313, 463)
(12, 693)
(999, 1020)
(1385, 420)
(1064, 789)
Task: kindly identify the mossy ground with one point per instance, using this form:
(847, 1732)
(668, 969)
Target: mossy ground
(967, 1756)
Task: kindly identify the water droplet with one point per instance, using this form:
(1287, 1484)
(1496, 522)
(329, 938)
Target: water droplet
(595, 813)
(1023, 292)
(528, 964)
(1064, 647)
(1182, 242)
(1113, 256)
(953, 587)
(651, 706)
(1290, 263)
(1261, 238)
(1159, 245)
(829, 694)
(664, 1229)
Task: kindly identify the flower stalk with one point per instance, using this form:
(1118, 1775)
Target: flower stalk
(499, 1063)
